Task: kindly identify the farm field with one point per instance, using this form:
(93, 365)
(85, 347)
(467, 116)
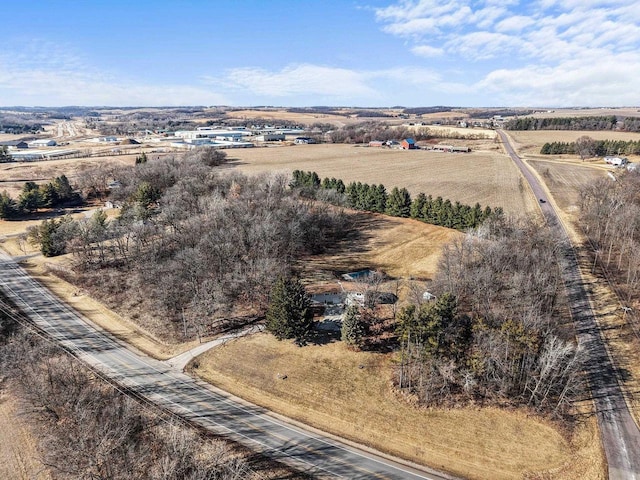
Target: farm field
(530, 141)
(486, 177)
(565, 181)
(349, 394)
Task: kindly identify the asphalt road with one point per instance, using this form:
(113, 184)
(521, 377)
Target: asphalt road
(619, 432)
(174, 391)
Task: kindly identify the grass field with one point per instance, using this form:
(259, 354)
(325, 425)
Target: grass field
(489, 178)
(349, 394)
(400, 247)
(565, 181)
(530, 142)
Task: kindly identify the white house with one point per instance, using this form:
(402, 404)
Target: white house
(616, 161)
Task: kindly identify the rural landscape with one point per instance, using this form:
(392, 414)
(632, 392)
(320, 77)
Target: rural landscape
(458, 317)
(389, 239)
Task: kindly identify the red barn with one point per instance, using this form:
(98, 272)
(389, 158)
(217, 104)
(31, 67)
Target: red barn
(408, 144)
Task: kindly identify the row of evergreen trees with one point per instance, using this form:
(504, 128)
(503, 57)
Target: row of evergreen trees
(600, 148)
(398, 203)
(563, 123)
(33, 197)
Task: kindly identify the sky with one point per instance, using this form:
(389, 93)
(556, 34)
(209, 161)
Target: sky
(366, 53)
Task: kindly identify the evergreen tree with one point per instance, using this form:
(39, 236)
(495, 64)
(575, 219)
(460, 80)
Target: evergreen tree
(8, 206)
(50, 243)
(5, 156)
(30, 198)
(289, 314)
(141, 159)
(353, 328)
(417, 206)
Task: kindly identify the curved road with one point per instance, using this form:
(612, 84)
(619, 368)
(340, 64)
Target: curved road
(620, 434)
(174, 391)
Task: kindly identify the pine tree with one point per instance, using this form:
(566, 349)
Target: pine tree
(8, 206)
(289, 314)
(353, 328)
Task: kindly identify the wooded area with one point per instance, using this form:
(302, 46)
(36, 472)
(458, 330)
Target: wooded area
(193, 251)
(610, 215)
(564, 123)
(496, 333)
(599, 148)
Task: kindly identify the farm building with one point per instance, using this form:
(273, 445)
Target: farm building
(270, 137)
(376, 143)
(450, 148)
(304, 140)
(14, 144)
(408, 144)
(616, 161)
(43, 142)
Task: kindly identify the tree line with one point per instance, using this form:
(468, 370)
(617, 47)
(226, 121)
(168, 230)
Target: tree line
(495, 334)
(86, 428)
(33, 197)
(599, 148)
(397, 203)
(610, 216)
(609, 122)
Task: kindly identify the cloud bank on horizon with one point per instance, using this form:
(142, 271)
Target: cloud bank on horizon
(408, 52)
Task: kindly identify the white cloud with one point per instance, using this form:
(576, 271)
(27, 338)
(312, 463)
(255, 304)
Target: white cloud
(296, 80)
(608, 82)
(561, 52)
(515, 23)
(427, 51)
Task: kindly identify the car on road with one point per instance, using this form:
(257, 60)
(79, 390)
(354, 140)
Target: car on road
(542, 200)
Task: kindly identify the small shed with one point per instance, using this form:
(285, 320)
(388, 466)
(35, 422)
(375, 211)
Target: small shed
(408, 144)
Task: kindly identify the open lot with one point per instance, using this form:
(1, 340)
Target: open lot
(349, 394)
(486, 177)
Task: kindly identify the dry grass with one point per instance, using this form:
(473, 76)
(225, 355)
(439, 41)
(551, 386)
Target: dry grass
(530, 142)
(489, 178)
(14, 175)
(349, 394)
(19, 457)
(565, 180)
(401, 247)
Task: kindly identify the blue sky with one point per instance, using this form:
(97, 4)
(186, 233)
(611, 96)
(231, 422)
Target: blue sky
(536, 53)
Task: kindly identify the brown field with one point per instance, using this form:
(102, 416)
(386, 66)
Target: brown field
(349, 394)
(489, 178)
(588, 112)
(565, 180)
(400, 247)
(19, 457)
(529, 142)
(294, 117)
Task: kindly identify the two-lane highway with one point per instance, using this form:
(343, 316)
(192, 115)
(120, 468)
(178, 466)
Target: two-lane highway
(176, 392)
(620, 434)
